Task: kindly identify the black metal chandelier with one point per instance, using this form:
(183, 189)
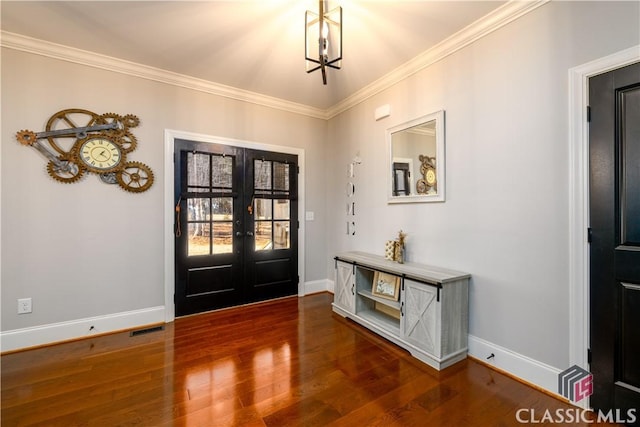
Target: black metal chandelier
(323, 37)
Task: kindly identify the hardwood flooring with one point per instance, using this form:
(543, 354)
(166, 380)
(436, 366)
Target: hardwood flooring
(290, 362)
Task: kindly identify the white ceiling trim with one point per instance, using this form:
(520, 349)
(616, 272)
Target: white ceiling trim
(496, 19)
(92, 59)
(489, 23)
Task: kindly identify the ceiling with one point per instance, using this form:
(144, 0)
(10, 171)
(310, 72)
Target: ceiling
(253, 45)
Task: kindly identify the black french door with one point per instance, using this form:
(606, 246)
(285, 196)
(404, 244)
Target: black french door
(236, 228)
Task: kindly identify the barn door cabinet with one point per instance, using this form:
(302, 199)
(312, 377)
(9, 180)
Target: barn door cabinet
(429, 319)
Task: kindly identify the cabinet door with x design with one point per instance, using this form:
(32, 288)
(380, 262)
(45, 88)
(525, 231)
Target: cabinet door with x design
(421, 314)
(345, 296)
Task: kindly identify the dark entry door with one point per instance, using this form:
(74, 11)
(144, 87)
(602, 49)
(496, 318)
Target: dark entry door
(614, 150)
(271, 218)
(236, 226)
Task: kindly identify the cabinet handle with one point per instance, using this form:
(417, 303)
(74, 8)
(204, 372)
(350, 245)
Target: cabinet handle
(353, 291)
(402, 309)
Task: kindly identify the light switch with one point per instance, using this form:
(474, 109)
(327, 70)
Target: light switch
(309, 216)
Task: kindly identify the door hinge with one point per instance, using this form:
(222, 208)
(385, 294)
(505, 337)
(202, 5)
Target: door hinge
(589, 235)
(589, 356)
(298, 169)
(174, 157)
(298, 279)
(588, 113)
(298, 224)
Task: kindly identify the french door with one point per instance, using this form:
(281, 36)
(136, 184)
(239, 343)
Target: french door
(236, 226)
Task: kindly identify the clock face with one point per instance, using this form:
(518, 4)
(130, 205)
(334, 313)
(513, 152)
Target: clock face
(431, 177)
(100, 155)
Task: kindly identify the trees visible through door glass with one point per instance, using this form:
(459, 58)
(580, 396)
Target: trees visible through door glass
(210, 218)
(209, 172)
(261, 175)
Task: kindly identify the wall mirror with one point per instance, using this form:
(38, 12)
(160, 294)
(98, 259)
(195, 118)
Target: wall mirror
(416, 167)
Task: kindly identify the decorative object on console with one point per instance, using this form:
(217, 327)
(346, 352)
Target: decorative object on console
(386, 285)
(400, 249)
(100, 146)
(390, 250)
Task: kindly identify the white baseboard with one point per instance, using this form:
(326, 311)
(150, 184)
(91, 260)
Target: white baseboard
(523, 367)
(56, 332)
(315, 286)
(331, 286)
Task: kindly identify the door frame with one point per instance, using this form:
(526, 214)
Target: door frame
(170, 135)
(579, 261)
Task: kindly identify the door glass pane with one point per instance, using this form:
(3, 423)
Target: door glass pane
(222, 176)
(198, 170)
(280, 176)
(281, 235)
(281, 209)
(199, 235)
(198, 209)
(263, 209)
(262, 233)
(222, 237)
(222, 208)
(262, 174)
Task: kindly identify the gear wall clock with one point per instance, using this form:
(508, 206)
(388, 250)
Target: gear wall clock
(428, 170)
(77, 141)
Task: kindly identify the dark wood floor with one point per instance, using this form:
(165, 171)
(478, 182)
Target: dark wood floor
(285, 363)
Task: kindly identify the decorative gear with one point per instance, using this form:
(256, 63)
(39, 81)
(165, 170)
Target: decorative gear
(421, 186)
(26, 137)
(108, 178)
(127, 142)
(112, 118)
(135, 177)
(130, 121)
(65, 119)
(124, 122)
(65, 171)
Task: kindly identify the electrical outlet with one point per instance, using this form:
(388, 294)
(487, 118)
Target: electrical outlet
(24, 305)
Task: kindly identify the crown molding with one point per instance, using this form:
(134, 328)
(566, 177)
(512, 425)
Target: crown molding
(500, 17)
(92, 59)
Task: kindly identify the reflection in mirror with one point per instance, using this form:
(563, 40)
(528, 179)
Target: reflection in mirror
(416, 159)
(401, 176)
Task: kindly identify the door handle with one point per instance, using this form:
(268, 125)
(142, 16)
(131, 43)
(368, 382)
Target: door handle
(238, 234)
(249, 233)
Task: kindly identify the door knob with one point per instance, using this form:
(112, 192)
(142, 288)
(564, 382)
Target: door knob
(249, 233)
(238, 234)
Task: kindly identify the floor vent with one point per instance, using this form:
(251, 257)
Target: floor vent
(146, 331)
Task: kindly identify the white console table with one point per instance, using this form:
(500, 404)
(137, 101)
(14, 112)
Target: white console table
(430, 318)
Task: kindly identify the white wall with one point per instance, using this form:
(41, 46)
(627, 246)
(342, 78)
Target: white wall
(88, 249)
(506, 215)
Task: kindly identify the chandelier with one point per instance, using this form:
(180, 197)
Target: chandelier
(323, 39)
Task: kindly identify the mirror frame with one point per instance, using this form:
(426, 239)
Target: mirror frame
(438, 116)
